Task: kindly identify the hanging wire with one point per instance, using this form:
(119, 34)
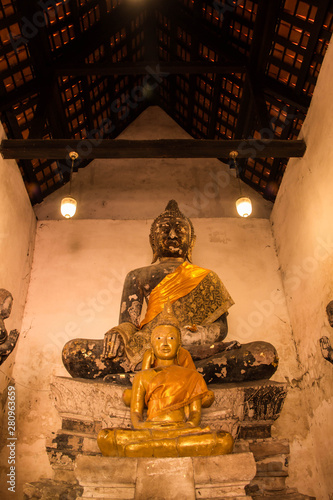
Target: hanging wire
(233, 155)
(73, 156)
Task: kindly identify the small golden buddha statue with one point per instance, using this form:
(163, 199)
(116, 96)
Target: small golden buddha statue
(174, 395)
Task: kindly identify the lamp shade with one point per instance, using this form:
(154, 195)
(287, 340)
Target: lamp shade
(68, 207)
(244, 206)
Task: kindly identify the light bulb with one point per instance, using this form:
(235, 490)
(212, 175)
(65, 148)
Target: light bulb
(244, 206)
(68, 207)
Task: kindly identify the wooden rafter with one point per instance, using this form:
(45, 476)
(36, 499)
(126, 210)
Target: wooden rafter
(148, 67)
(245, 59)
(164, 148)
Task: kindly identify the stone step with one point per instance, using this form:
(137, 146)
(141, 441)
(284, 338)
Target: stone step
(264, 448)
(186, 478)
(272, 459)
(287, 494)
(283, 496)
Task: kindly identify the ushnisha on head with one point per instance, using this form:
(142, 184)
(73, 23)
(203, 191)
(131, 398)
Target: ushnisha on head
(165, 337)
(172, 234)
(329, 311)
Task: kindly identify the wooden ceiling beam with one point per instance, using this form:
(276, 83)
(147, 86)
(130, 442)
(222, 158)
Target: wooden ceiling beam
(57, 149)
(214, 109)
(263, 33)
(253, 102)
(37, 124)
(146, 67)
(245, 117)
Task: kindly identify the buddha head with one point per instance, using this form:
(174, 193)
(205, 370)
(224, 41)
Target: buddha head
(165, 337)
(172, 234)
(165, 341)
(6, 302)
(329, 311)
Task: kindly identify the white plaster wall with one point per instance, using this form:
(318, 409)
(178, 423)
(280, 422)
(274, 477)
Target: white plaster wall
(75, 290)
(302, 225)
(17, 233)
(131, 188)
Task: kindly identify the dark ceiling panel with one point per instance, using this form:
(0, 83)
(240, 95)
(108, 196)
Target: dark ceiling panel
(223, 70)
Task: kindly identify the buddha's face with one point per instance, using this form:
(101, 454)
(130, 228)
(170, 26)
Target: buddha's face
(329, 310)
(165, 341)
(172, 237)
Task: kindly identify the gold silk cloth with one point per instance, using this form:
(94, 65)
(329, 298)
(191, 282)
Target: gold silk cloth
(175, 285)
(172, 388)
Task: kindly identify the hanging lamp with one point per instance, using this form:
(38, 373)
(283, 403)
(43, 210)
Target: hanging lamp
(243, 204)
(69, 204)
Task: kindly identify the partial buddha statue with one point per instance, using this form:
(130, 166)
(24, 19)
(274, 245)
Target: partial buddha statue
(200, 302)
(173, 396)
(325, 343)
(7, 341)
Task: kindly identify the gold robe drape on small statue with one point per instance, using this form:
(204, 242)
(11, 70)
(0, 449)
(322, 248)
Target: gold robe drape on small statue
(198, 297)
(172, 388)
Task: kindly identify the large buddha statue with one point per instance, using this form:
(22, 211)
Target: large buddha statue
(200, 302)
(174, 396)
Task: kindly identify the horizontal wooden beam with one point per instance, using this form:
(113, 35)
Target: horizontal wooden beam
(88, 149)
(148, 68)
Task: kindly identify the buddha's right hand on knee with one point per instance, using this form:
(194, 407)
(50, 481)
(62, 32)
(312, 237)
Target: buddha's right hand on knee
(112, 342)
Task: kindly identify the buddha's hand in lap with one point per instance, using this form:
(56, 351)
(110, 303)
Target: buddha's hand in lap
(112, 344)
(148, 424)
(326, 348)
(165, 426)
(200, 335)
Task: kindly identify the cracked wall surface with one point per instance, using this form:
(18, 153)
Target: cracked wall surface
(303, 230)
(17, 236)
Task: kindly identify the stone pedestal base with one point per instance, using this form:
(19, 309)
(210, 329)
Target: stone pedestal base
(221, 477)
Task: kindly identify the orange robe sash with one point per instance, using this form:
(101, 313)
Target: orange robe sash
(172, 388)
(174, 286)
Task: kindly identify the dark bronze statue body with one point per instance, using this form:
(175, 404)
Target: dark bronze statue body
(7, 342)
(325, 344)
(200, 302)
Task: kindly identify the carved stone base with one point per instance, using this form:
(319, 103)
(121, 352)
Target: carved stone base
(49, 489)
(165, 478)
(247, 409)
(86, 406)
